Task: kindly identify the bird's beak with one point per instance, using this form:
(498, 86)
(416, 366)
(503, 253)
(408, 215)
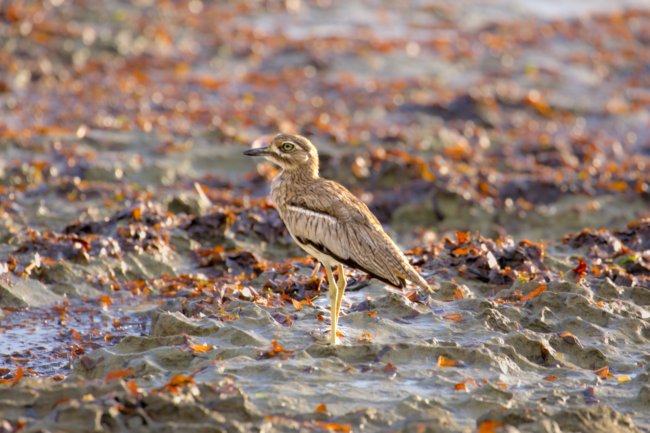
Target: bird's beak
(257, 152)
(260, 146)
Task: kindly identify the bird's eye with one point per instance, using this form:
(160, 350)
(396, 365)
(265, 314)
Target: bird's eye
(287, 146)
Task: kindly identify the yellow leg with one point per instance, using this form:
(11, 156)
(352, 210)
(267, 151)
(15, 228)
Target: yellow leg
(316, 269)
(342, 283)
(333, 298)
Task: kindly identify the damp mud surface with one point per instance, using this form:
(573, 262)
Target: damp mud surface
(147, 283)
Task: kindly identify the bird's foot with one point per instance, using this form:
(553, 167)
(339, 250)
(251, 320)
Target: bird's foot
(324, 337)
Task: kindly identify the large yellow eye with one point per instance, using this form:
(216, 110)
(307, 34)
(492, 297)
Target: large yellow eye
(287, 146)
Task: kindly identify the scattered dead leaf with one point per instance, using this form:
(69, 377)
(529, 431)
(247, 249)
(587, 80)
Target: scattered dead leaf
(177, 382)
(604, 373)
(489, 427)
(462, 237)
(276, 350)
(581, 269)
(200, 348)
(18, 374)
(334, 427)
(297, 305)
(390, 369)
(534, 293)
(444, 361)
(133, 388)
(118, 374)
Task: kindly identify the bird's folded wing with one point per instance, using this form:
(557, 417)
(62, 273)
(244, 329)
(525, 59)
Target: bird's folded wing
(336, 223)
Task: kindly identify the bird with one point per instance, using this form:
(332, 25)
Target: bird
(329, 222)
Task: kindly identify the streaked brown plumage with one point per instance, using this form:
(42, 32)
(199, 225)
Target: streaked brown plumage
(330, 223)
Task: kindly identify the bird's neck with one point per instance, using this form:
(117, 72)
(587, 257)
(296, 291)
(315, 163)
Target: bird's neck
(303, 174)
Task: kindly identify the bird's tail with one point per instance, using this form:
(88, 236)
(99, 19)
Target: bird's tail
(414, 277)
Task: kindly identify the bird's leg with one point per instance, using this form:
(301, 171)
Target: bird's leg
(342, 283)
(316, 269)
(333, 298)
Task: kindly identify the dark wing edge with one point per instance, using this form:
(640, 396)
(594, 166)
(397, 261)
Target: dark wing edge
(400, 284)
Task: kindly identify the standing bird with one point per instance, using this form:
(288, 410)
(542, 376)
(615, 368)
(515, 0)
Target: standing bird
(330, 223)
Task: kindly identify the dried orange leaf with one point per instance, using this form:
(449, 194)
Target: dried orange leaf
(296, 304)
(334, 427)
(569, 338)
(489, 426)
(209, 82)
(180, 380)
(52, 130)
(133, 388)
(604, 373)
(390, 368)
(411, 295)
(61, 308)
(617, 186)
(463, 385)
(454, 317)
(321, 408)
(458, 293)
(118, 374)
(461, 251)
(581, 269)
(551, 378)
(443, 361)
(596, 270)
(105, 300)
(200, 348)
(18, 374)
(457, 151)
(534, 293)
(427, 174)
(535, 100)
(486, 188)
(276, 350)
(462, 237)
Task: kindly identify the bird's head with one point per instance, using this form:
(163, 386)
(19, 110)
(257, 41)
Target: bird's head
(290, 152)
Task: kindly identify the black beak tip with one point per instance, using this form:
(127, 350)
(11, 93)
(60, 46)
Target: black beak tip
(249, 152)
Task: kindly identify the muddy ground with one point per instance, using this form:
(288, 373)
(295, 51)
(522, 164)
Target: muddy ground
(147, 283)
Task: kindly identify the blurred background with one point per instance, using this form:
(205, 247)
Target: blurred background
(504, 116)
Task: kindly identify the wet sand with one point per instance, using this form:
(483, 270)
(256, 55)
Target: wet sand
(506, 148)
